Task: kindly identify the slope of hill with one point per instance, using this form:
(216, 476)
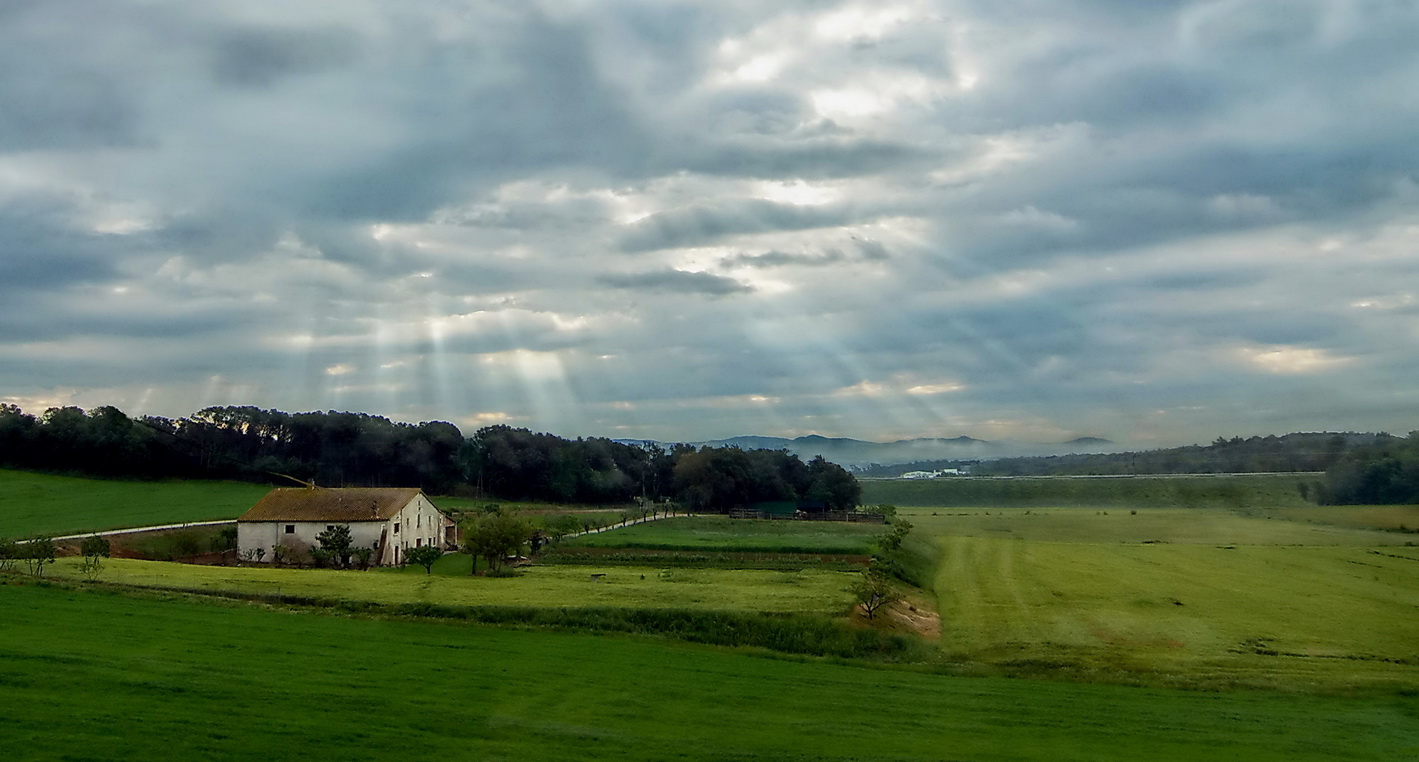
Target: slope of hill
(32, 503)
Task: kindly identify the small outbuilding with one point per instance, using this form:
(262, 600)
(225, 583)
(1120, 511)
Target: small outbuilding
(388, 520)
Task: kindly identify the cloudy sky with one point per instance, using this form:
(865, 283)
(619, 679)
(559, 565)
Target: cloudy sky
(1157, 222)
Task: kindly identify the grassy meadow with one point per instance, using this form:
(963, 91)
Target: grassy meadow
(33, 503)
(1232, 491)
(719, 533)
(170, 678)
(806, 591)
(1196, 597)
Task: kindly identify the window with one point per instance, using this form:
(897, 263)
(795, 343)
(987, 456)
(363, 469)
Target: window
(419, 543)
(290, 529)
(396, 527)
(330, 527)
(418, 519)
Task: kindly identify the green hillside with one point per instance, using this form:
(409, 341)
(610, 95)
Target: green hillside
(33, 503)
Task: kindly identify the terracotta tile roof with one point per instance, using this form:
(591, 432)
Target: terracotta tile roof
(330, 504)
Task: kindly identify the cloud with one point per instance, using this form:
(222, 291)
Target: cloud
(701, 224)
(256, 57)
(680, 282)
(1157, 222)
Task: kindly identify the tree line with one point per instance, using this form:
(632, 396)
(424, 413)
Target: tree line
(1384, 473)
(1300, 452)
(355, 449)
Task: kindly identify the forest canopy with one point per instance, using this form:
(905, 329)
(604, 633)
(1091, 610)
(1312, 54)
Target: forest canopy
(354, 449)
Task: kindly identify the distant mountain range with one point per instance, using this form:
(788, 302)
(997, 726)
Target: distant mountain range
(857, 453)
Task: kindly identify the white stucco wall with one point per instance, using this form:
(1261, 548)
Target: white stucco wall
(418, 523)
(265, 534)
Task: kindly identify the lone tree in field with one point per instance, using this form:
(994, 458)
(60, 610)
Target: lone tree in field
(94, 549)
(873, 591)
(335, 542)
(425, 556)
(38, 553)
(495, 536)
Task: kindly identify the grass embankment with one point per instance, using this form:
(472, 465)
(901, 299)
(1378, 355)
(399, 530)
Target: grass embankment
(1189, 597)
(809, 591)
(1220, 491)
(33, 503)
(720, 533)
(243, 682)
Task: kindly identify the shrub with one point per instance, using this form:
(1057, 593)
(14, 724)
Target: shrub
(93, 549)
(9, 552)
(424, 556)
(38, 553)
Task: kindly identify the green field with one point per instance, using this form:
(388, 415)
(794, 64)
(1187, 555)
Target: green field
(174, 679)
(718, 533)
(1194, 597)
(807, 591)
(1170, 525)
(32, 503)
(1402, 518)
(1221, 491)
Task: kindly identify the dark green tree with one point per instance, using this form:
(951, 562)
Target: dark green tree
(425, 556)
(335, 544)
(495, 536)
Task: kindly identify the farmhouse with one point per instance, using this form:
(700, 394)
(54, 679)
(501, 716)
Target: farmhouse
(388, 520)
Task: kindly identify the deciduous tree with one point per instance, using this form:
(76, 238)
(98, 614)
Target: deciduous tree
(38, 553)
(495, 536)
(425, 556)
(94, 549)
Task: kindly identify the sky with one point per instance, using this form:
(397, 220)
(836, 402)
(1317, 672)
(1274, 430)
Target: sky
(1155, 222)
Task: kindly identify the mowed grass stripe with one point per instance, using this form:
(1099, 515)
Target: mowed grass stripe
(1264, 615)
(806, 591)
(93, 676)
(749, 535)
(32, 503)
(1198, 526)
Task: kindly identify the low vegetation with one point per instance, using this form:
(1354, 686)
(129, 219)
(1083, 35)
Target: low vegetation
(236, 682)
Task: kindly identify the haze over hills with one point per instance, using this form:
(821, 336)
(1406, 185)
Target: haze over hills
(856, 453)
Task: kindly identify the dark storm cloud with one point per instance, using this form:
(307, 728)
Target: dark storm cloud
(41, 250)
(679, 282)
(816, 158)
(260, 57)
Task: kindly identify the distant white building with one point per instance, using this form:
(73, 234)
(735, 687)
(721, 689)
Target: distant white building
(388, 520)
(932, 474)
